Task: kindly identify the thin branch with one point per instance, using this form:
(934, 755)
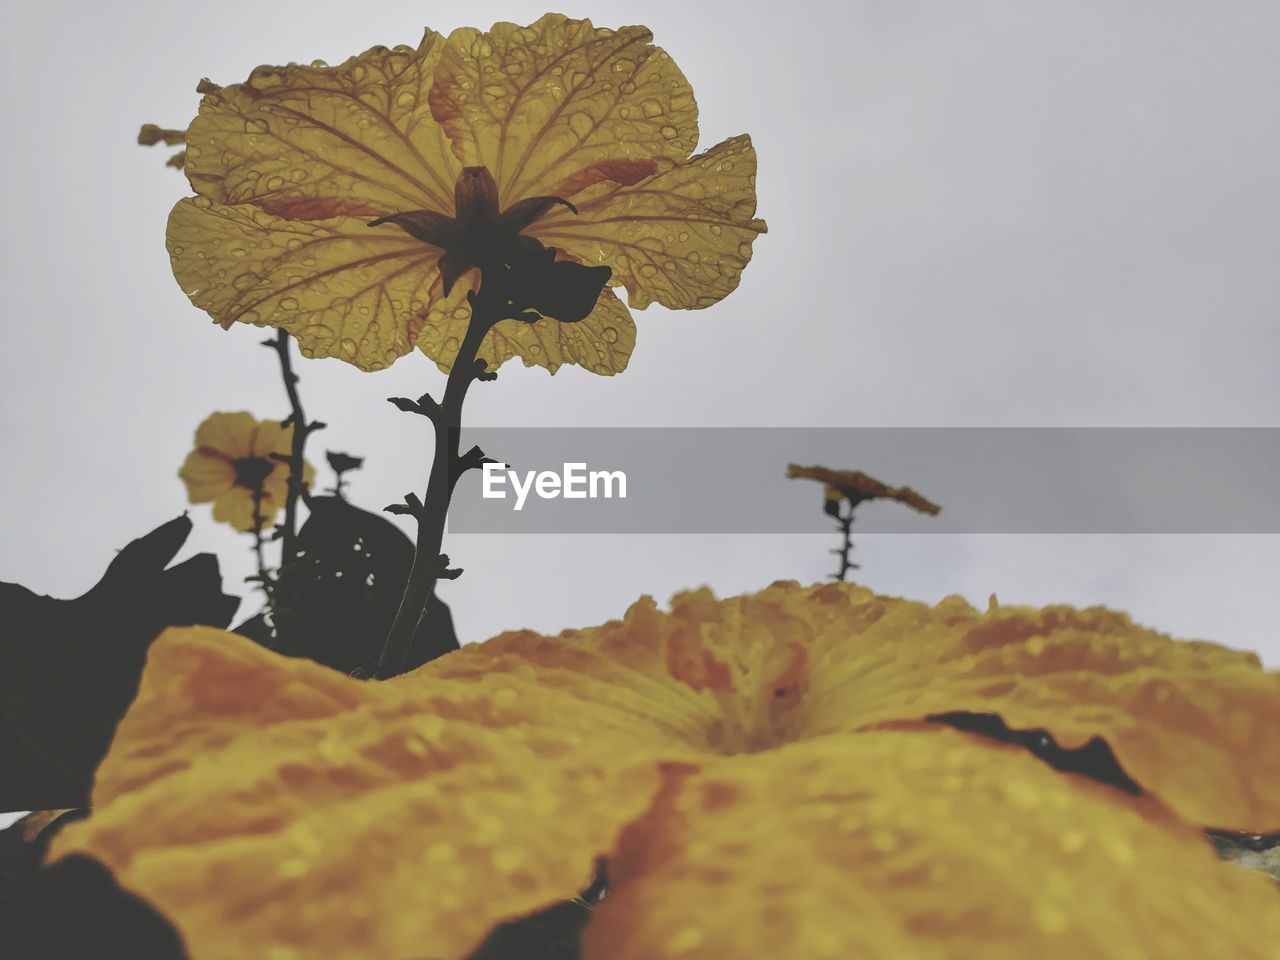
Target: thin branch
(297, 490)
(846, 546)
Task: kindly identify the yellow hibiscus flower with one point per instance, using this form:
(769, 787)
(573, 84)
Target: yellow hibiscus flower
(766, 775)
(232, 466)
(557, 135)
(854, 487)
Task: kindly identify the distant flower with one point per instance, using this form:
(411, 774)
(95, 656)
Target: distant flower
(854, 487)
(480, 137)
(232, 466)
(766, 776)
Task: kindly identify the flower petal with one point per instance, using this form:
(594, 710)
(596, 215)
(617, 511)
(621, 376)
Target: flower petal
(602, 343)
(206, 475)
(230, 434)
(313, 142)
(341, 288)
(555, 102)
(1195, 725)
(681, 237)
(271, 437)
(917, 844)
(272, 807)
(235, 508)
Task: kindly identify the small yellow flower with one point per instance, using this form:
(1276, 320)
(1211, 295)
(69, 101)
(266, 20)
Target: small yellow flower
(854, 486)
(292, 166)
(761, 772)
(232, 466)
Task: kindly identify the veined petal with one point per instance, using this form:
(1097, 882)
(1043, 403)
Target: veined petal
(681, 237)
(1196, 725)
(602, 343)
(268, 806)
(553, 102)
(923, 844)
(311, 142)
(342, 289)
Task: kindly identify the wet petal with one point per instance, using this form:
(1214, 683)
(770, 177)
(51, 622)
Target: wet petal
(341, 288)
(919, 844)
(1195, 724)
(681, 237)
(272, 807)
(312, 142)
(602, 343)
(554, 102)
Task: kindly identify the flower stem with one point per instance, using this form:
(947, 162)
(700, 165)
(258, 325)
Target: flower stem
(429, 564)
(301, 429)
(846, 546)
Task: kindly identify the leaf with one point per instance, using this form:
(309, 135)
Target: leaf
(336, 600)
(561, 100)
(341, 289)
(681, 237)
(312, 142)
(69, 668)
(70, 910)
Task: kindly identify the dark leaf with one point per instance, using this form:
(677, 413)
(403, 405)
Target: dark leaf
(69, 668)
(72, 910)
(342, 462)
(337, 597)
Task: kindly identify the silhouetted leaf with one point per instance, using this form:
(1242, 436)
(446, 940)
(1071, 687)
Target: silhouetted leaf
(69, 668)
(338, 596)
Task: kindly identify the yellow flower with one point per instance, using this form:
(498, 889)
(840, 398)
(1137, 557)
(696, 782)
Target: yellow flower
(761, 772)
(855, 486)
(291, 167)
(232, 466)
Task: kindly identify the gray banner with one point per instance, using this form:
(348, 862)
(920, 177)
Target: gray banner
(987, 480)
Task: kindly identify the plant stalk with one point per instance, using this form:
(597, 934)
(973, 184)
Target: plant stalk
(446, 467)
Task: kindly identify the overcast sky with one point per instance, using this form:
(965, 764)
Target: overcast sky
(981, 213)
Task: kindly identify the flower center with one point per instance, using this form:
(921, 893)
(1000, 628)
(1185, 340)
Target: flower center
(758, 690)
(252, 472)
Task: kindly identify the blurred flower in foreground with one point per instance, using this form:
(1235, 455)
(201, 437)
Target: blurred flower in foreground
(292, 166)
(762, 773)
(855, 487)
(232, 466)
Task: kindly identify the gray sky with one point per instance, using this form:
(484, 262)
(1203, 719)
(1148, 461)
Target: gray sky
(981, 213)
